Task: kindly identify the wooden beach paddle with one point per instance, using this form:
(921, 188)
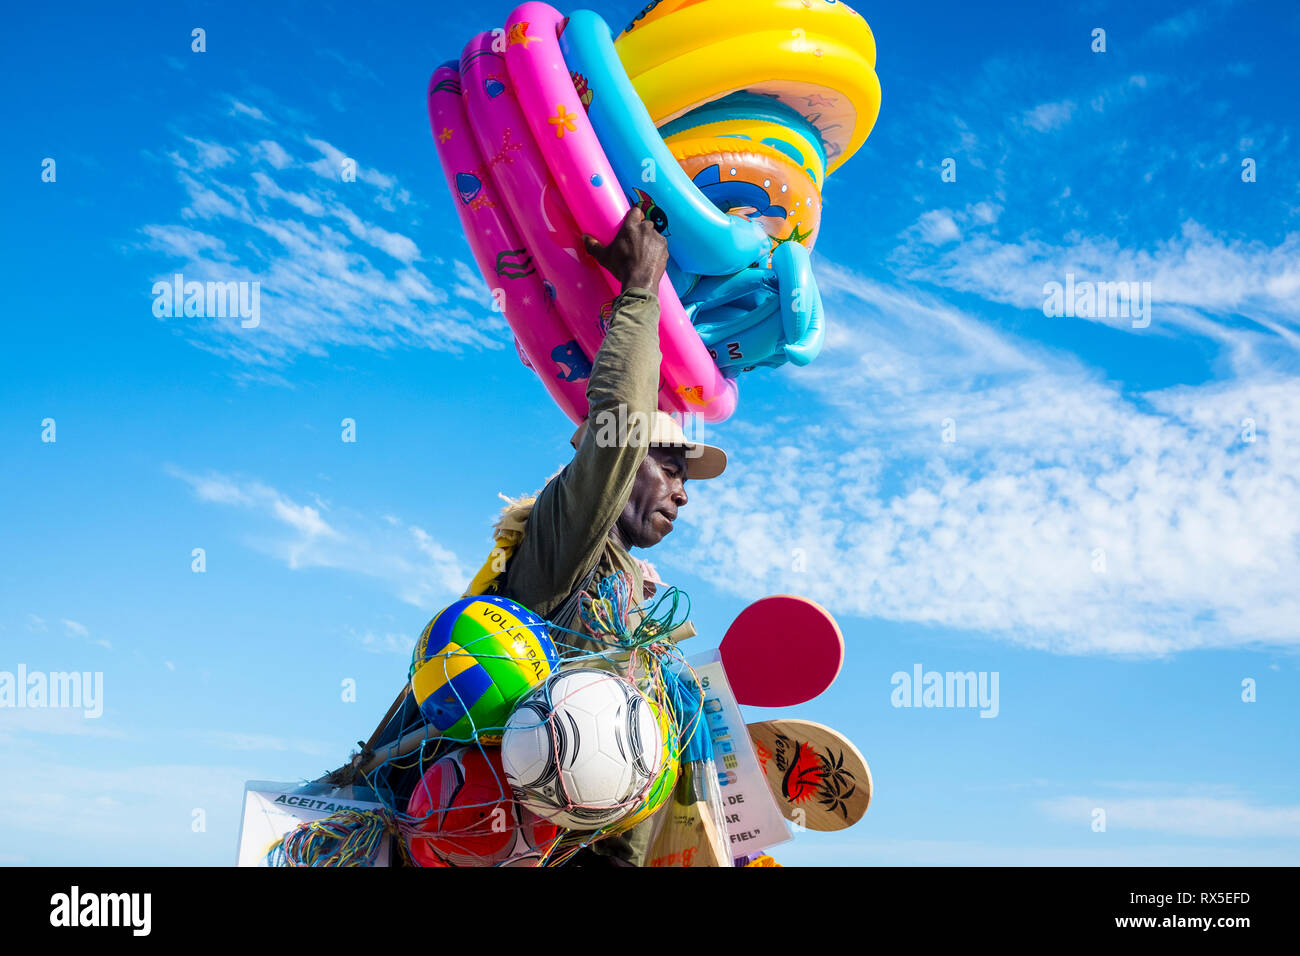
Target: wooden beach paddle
(781, 651)
(820, 780)
(690, 834)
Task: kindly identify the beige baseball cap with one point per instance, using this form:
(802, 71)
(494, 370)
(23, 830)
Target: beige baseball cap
(702, 461)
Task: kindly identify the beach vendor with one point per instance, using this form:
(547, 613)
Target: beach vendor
(623, 489)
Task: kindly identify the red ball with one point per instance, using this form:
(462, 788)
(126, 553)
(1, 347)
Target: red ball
(466, 814)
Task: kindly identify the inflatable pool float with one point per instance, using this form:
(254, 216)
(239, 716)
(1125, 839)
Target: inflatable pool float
(761, 119)
(755, 181)
(763, 316)
(702, 238)
(502, 258)
(575, 285)
(719, 119)
(817, 57)
(558, 120)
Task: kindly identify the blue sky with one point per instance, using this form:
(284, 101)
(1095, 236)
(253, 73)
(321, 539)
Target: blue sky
(1120, 685)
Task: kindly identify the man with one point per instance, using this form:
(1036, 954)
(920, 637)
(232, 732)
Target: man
(623, 489)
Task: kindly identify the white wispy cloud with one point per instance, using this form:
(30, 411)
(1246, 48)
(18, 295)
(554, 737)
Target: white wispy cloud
(331, 163)
(274, 154)
(1188, 23)
(335, 264)
(1046, 117)
(210, 155)
(268, 189)
(846, 849)
(400, 645)
(1201, 283)
(1186, 816)
(133, 814)
(1180, 26)
(406, 558)
(239, 108)
(354, 67)
(233, 740)
(77, 629)
(1066, 514)
(937, 227)
(57, 721)
(1123, 92)
(304, 518)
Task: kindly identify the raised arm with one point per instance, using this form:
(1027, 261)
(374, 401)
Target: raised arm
(575, 512)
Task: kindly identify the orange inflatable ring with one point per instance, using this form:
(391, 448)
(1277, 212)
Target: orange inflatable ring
(755, 181)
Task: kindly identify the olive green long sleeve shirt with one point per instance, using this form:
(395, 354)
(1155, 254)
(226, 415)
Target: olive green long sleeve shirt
(568, 530)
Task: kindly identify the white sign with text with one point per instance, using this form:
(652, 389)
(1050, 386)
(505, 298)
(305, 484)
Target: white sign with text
(754, 821)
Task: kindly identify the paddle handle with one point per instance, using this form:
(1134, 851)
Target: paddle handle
(363, 761)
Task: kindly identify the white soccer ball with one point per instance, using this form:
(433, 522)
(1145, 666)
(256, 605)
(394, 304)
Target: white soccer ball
(582, 749)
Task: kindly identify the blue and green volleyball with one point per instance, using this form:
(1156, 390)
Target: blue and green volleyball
(473, 663)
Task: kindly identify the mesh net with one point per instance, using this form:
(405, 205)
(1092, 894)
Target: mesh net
(447, 800)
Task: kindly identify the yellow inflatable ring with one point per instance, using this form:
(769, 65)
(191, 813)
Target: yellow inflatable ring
(752, 180)
(817, 57)
(656, 9)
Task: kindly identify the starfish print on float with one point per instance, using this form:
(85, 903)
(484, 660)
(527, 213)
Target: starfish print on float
(519, 34)
(508, 146)
(563, 121)
(796, 235)
(694, 395)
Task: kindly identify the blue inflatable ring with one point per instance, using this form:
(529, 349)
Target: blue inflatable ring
(701, 238)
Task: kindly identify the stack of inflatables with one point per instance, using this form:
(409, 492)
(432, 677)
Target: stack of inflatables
(720, 119)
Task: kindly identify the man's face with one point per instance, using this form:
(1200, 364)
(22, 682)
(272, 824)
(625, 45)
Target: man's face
(657, 494)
